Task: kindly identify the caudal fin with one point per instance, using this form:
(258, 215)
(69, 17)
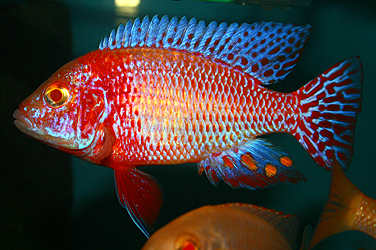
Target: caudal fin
(330, 105)
(347, 208)
(339, 211)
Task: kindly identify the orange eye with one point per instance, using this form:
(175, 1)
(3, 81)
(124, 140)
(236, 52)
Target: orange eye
(56, 96)
(187, 241)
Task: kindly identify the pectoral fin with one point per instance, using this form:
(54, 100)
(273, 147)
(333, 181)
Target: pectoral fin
(140, 194)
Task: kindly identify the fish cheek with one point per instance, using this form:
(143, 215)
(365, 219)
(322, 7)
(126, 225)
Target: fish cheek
(90, 112)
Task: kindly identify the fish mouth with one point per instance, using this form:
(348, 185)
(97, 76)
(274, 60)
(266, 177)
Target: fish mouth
(24, 123)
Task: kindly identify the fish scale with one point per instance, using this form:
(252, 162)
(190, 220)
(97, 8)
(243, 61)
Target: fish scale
(194, 117)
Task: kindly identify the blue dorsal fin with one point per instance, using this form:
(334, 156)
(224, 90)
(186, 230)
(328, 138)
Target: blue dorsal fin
(180, 29)
(286, 225)
(189, 33)
(169, 33)
(119, 36)
(161, 30)
(152, 31)
(135, 33)
(265, 50)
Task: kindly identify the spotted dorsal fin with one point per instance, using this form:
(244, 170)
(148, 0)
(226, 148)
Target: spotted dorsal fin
(265, 50)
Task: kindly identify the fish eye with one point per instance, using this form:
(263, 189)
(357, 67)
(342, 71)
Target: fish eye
(56, 95)
(188, 245)
(187, 242)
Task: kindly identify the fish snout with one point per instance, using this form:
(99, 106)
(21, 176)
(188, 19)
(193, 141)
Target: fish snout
(22, 122)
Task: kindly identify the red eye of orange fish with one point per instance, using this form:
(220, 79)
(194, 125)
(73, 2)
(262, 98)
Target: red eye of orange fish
(187, 242)
(188, 245)
(56, 96)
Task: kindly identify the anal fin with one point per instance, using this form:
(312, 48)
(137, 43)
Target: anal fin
(254, 165)
(140, 194)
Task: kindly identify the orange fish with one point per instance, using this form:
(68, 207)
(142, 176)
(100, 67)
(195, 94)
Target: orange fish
(347, 208)
(229, 226)
(171, 92)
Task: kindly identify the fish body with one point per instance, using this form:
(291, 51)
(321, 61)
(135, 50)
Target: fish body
(162, 112)
(228, 226)
(170, 92)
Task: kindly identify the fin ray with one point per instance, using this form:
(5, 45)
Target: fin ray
(256, 164)
(330, 105)
(338, 210)
(140, 194)
(286, 225)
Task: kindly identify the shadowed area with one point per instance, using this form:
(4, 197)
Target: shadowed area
(36, 184)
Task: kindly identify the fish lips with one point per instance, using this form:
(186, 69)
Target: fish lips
(26, 125)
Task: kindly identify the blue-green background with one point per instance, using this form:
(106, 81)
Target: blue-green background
(342, 29)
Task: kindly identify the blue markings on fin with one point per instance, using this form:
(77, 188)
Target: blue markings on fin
(254, 165)
(119, 36)
(265, 50)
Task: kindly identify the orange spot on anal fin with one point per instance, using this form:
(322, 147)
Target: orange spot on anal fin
(201, 170)
(140, 194)
(248, 161)
(270, 170)
(229, 162)
(249, 165)
(286, 161)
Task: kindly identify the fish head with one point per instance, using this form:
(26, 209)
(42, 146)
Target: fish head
(195, 230)
(65, 111)
(175, 241)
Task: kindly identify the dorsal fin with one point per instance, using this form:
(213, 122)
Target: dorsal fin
(286, 225)
(265, 50)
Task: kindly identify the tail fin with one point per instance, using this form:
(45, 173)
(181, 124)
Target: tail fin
(347, 208)
(339, 211)
(330, 105)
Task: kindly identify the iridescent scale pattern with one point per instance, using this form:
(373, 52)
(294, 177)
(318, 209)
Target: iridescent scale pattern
(177, 107)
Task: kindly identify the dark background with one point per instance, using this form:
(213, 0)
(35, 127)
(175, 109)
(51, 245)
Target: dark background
(49, 200)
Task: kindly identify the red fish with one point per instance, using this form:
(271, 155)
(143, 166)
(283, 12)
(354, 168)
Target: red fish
(170, 92)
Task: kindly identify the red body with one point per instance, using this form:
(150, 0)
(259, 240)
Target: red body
(167, 107)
